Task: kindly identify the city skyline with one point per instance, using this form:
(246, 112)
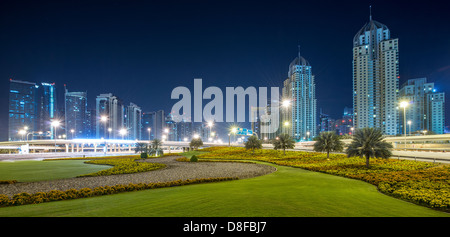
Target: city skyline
(108, 74)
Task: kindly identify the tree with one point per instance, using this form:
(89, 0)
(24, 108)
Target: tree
(155, 147)
(196, 143)
(328, 142)
(369, 142)
(284, 141)
(253, 143)
(142, 148)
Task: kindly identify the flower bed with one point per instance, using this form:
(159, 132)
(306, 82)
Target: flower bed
(56, 195)
(123, 166)
(423, 183)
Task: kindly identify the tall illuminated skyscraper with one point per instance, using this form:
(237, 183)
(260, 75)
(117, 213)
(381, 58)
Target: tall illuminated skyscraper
(22, 108)
(75, 114)
(109, 116)
(47, 111)
(133, 121)
(299, 117)
(375, 78)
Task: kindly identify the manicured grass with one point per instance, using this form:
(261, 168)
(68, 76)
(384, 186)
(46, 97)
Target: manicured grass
(31, 171)
(189, 154)
(290, 192)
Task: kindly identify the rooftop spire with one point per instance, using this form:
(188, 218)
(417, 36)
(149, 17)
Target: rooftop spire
(370, 9)
(299, 54)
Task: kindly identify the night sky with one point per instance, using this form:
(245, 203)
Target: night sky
(142, 50)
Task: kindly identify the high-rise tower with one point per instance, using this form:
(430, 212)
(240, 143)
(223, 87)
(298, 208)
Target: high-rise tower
(375, 78)
(299, 115)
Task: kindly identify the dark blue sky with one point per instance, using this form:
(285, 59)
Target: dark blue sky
(141, 50)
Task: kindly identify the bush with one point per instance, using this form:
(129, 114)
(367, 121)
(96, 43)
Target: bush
(194, 158)
(144, 155)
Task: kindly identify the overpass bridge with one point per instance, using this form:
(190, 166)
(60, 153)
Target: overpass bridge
(90, 145)
(429, 146)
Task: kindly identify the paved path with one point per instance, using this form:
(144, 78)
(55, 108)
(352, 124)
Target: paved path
(174, 171)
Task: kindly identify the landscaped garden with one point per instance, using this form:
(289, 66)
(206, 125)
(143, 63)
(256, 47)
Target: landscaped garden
(352, 189)
(423, 183)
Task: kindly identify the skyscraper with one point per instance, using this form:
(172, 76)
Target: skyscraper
(47, 110)
(426, 106)
(110, 116)
(133, 121)
(22, 108)
(76, 120)
(375, 78)
(299, 118)
(155, 121)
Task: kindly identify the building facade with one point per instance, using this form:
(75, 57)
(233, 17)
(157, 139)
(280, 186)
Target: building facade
(155, 122)
(109, 107)
(22, 109)
(133, 121)
(375, 78)
(76, 119)
(426, 107)
(299, 118)
(47, 111)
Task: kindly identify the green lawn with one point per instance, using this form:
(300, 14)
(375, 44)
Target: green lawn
(290, 192)
(33, 170)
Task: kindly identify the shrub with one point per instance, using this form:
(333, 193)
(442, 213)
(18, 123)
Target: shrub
(194, 158)
(144, 155)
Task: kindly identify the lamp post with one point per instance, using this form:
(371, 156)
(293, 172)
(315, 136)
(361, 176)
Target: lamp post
(109, 133)
(307, 135)
(22, 132)
(104, 119)
(404, 104)
(55, 124)
(123, 132)
(286, 105)
(409, 123)
(149, 129)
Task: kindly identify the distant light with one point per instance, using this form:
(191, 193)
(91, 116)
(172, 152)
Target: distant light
(55, 123)
(404, 104)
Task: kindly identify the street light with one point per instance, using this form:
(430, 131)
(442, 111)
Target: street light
(22, 132)
(307, 135)
(149, 129)
(409, 123)
(210, 125)
(109, 133)
(403, 105)
(55, 124)
(286, 103)
(104, 119)
(123, 132)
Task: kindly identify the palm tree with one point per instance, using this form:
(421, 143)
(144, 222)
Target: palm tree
(196, 143)
(369, 142)
(253, 143)
(284, 141)
(142, 148)
(155, 147)
(329, 142)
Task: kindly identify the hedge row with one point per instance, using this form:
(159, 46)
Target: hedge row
(56, 195)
